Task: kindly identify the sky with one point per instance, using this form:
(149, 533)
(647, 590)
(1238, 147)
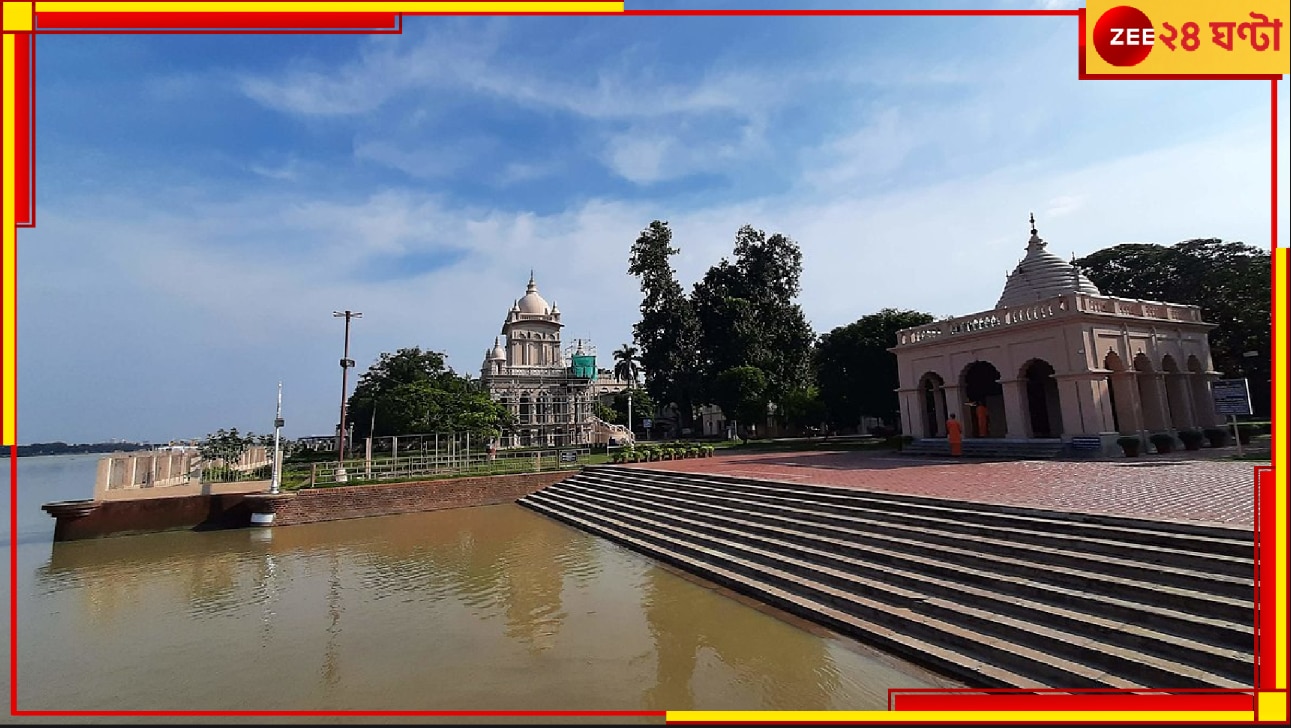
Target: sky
(204, 203)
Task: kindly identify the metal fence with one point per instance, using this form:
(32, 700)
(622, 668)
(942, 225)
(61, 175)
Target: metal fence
(420, 465)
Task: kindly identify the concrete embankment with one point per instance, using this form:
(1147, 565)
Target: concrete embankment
(98, 518)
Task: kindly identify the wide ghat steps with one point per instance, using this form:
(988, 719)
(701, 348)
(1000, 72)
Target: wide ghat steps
(989, 447)
(994, 596)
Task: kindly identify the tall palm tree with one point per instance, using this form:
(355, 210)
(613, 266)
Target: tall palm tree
(627, 363)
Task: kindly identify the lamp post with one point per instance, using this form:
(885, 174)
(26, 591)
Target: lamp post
(277, 446)
(346, 364)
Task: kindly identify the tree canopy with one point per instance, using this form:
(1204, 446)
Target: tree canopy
(643, 406)
(1230, 281)
(855, 372)
(748, 315)
(668, 332)
(742, 314)
(413, 391)
(741, 392)
(627, 363)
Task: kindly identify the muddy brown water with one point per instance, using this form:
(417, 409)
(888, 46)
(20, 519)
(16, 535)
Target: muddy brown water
(490, 608)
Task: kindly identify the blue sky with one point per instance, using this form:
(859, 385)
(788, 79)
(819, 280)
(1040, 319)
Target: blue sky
(205, 202)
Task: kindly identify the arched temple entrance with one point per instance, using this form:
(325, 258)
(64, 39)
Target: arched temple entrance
(1042, 403)
(980, 383)
(932, 403)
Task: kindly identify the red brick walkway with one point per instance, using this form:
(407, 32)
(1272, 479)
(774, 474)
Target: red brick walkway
(1170, 489)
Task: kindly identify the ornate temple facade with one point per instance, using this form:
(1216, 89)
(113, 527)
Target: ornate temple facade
(551, 390)
(1056, 359)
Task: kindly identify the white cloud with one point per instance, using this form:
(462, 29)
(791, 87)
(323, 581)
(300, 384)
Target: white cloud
(194, 308)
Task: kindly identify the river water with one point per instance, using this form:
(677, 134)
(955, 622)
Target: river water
(490, 608)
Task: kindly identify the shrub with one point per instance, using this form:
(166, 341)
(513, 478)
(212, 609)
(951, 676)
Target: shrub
(1217, 436)
(1130, 445)
(1245, 432)
(1162, 441)
(1191, 439)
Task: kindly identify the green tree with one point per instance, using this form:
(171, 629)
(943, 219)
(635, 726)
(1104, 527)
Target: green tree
(803, 408)
(668, 332)
(413, 391)
(741, 392)
(1230, 281)
(605, 412)
(855, 372)
(643, 406)
(627, 363)
(227, 445)
(748, 315)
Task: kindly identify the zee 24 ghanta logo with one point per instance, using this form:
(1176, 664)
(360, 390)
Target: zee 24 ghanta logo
(1124, 35)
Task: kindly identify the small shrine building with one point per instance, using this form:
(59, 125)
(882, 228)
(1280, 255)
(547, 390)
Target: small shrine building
(1056, 359)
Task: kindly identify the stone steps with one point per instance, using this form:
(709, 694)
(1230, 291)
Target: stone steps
(1003, 597)
(989, 448)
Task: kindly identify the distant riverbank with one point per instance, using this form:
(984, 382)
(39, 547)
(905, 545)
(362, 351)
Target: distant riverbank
(63, 448)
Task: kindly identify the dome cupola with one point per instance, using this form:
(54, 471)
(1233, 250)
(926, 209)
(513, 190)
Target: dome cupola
(1041, 275)
(532, 303)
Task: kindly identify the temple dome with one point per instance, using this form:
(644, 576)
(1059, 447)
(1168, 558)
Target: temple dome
(1041, 275)
(498, 353)
(533, 303)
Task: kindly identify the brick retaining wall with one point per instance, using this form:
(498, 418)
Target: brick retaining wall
(149, 515)
(314, 505)
(113, 518)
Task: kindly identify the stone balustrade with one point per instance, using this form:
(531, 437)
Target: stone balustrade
(1065, 305)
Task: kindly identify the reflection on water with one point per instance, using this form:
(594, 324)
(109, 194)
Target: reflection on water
(480, 608)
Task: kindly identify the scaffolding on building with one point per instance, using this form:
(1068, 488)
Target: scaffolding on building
(553, 406)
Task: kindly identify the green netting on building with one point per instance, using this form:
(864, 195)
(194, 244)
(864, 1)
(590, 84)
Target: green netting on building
(583, 366)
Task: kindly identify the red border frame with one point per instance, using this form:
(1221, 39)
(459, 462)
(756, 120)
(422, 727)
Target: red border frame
(391, 23)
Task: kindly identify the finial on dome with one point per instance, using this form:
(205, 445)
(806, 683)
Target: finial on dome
(533, 287)
(1035, 243)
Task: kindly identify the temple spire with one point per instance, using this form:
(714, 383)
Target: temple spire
(1035, 243)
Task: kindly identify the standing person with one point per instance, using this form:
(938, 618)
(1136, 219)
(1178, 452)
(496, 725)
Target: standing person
(983, 420)
(955, 435)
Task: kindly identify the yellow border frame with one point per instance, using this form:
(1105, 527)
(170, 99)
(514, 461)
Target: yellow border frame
(18, 18)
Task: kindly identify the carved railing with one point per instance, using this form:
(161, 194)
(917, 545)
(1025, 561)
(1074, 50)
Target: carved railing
(1065, 305)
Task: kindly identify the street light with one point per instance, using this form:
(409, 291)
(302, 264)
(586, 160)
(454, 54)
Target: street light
(277, 450)
(346, 364)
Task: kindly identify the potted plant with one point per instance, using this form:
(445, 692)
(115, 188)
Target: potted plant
(1130, 445)
(1191, 439)
(1162, 441)
(1217, 436)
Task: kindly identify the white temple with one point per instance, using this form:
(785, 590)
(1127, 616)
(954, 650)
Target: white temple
(1056, 359)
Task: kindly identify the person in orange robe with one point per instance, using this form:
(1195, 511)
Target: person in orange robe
(983, 420)
(955, 435)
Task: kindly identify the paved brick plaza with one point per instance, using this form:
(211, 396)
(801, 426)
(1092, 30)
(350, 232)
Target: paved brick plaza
(1178, 488)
